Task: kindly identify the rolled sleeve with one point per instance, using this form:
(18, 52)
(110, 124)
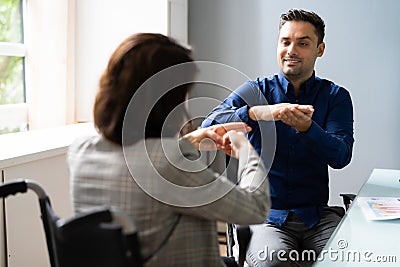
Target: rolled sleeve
(235, 107)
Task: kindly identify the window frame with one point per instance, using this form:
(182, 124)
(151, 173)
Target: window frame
(17, 113)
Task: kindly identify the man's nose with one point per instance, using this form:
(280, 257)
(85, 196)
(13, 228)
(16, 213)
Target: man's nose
(291, 50)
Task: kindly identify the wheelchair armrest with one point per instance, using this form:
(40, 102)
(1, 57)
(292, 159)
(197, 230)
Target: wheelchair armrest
(243, 236)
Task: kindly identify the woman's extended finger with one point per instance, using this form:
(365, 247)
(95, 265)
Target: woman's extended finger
(213, 135)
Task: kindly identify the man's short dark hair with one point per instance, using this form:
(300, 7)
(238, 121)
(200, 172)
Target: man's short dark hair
(307, 16)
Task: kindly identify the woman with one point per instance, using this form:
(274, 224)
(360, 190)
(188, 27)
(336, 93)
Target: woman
(152, 175)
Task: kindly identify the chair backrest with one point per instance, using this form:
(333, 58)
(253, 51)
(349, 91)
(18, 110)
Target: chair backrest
(347, 199)
(90, 239)
(101, 237)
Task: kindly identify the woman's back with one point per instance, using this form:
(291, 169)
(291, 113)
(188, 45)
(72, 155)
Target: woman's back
(101, 177)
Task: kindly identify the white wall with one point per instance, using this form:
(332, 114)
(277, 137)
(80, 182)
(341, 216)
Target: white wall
(362, 37)
(100, 26)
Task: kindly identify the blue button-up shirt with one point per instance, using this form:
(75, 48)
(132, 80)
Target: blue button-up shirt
(298, 161)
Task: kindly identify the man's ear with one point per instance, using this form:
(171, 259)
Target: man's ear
(321, 49)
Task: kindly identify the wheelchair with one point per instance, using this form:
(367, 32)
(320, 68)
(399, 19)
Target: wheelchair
(101, 237)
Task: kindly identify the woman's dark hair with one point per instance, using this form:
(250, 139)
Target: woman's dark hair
(135, 60)
(307, 16)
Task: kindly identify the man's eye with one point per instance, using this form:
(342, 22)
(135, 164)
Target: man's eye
(303, 44)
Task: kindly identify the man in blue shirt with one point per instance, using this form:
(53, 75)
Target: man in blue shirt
(313, 119)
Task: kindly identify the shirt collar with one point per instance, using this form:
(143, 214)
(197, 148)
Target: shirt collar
(285, 83)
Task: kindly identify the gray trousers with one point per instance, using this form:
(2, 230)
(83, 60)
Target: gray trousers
(292, 244)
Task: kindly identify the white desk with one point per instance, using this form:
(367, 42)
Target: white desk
(361, 242)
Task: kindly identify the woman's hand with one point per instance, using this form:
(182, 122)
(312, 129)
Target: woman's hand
(213, 137)
(239, 143)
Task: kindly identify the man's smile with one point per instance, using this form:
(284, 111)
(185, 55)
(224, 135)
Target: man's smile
(292, 61)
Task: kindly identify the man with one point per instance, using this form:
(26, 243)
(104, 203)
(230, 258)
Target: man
(313, 118)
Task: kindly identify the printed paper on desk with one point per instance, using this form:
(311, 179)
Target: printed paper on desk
(380, 208)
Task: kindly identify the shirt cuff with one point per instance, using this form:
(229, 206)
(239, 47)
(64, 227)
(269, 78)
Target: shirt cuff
(243, 114)
(315, 132)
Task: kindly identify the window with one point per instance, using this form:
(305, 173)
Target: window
(54, 54)
(13, 110)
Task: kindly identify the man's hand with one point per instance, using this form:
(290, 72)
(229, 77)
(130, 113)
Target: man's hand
(267, 112)
(298, 117)
(294, 115)
(212, 138)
